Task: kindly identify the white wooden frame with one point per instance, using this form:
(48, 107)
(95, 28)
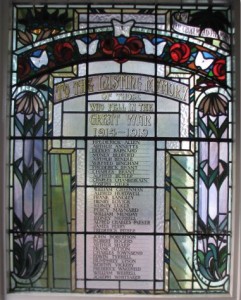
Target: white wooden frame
(5, 30)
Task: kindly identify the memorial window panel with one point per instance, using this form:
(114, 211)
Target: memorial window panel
(121, 149)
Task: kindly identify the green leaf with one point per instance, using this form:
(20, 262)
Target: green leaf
(38, 126)
(212, 128)
(202, 174)
(213, 175)
(223, 225)
(201, 257)
(221, 177)
(212, 225)
(203, 126)
(204, 272)
(39, 224)
(214, 251)
(19, 125)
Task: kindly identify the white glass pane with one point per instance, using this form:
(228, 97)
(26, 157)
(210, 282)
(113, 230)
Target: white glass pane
(121, 125)
(167, 105)
(127, 163)
(68, 144)
(184, 121)
(73, 124)
(100, 284)
(82, 70)
(80, 172)
(57, 120)
(104, 67)
(135, 285)
(168, 125)
(80, 209)
(101, 18)
(120, 209)
(140, 18)
(160, 168)
(160, 210)
(75, 105)
(121, 257)
(159, 257)
(122, 106)
(80, 257)
(139, 67)
(173, 145)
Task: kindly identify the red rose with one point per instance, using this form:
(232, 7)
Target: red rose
(23, 67)
(219, 69)
(180, 52)
(108, 45)
(121, 53)
(63, 51)
(134, 44)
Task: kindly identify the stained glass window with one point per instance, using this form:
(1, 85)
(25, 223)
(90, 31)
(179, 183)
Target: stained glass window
(121, 149)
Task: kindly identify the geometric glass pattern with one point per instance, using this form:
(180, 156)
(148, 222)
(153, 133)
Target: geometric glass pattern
(121, 149)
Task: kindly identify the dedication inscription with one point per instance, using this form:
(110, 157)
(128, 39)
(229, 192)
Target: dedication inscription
(120, 163)
(120, 209)
(120, 257)
(121, 122)
(120, 201)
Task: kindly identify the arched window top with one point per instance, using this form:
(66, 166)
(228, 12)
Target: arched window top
(180, 38)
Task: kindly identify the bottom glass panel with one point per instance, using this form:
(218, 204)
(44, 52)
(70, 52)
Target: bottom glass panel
(116, 263)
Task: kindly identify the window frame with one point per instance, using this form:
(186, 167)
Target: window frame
(5, 38)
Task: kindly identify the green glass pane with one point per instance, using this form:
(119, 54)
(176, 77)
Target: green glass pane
(183, 211)
(55, 170)
(180, 178)
(65, 164)
(59, 217)
(61, 258)
(178, 264)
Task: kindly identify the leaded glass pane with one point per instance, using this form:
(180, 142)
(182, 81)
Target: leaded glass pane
(121, 149)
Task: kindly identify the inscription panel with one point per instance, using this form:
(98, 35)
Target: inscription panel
(120, 257)
(121, 173)
(121, 83)
(120, 209)
(120, 163)
(118, 125)
(121, 96)
(145, 107)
